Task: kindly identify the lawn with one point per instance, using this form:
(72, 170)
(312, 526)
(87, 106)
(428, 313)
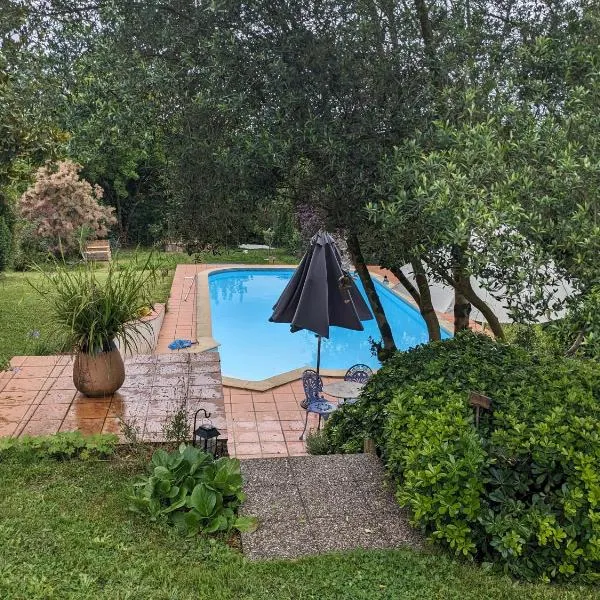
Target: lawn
(22, 312)
(65, 533)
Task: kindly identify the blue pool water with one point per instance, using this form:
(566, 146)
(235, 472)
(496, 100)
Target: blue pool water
(252, 348)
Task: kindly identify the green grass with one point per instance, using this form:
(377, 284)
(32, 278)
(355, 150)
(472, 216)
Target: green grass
(22, 311)
(225, 255)
(65, 533)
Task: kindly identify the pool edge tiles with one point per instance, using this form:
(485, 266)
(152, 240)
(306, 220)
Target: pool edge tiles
(205, 334)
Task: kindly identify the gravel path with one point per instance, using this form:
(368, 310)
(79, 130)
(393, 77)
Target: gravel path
(315, 504)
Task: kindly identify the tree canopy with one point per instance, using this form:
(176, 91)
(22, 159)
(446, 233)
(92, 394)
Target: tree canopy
(456, 137)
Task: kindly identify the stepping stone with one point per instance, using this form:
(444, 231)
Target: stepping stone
(310, 505)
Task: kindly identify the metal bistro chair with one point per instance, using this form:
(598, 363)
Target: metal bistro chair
(358, 373)
(315, 403)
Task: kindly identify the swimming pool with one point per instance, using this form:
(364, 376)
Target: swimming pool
(252, 348)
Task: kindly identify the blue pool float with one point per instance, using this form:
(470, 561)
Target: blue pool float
(180, 344)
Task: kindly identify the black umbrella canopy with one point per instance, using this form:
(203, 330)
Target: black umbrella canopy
(320, 294)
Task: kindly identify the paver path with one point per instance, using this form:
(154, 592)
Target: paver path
(315, 504)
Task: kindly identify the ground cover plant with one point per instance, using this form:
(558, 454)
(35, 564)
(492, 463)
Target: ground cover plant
(191, 490)
(66, 533)
(522, 490)
(60, 446)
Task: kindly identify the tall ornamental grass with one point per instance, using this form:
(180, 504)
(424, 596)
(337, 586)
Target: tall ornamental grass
(91, 309)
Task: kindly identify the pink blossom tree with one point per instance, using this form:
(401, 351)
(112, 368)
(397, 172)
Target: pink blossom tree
(63, 208)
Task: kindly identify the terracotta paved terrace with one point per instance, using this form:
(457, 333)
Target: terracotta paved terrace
(266, 424)
(37, 395)
(180, 318)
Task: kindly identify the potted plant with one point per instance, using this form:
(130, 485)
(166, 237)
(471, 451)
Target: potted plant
(92, 308)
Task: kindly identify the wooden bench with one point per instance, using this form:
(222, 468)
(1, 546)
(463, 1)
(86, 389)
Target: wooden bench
(97, 250)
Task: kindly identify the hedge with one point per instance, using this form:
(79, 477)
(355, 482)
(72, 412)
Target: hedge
(523, 489)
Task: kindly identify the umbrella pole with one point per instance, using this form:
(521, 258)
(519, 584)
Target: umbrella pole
(319, 355)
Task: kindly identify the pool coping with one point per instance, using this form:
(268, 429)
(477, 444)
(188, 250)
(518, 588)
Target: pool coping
(207, 342)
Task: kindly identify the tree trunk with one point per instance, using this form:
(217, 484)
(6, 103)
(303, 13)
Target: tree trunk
(425, 25)
(388, 347)
(462, 310)
(421, 296)
(471, 296)
(576, 344)
(484, 309)
(462, 307)
(426, 307)
(408, 286)
(426, 28)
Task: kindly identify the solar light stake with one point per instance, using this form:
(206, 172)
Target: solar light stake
(479, 401)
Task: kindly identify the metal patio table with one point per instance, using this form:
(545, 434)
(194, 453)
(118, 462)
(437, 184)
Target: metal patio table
(343, 389)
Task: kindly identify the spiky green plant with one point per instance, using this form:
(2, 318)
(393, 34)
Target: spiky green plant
(93, 308)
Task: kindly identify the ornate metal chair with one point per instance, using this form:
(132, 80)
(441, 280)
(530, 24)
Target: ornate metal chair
(358, 373)
(314, 401)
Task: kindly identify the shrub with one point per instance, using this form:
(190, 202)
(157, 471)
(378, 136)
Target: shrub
(440, 461)
(5, 243)
(544, 340)
(522, 490)
(193, 491)
(65, 208)
(60, 446)
(317, 442)
(29, 248)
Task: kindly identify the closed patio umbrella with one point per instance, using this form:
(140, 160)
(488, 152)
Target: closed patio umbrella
(321, 294)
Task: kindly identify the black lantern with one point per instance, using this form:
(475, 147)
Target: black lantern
(206, 432)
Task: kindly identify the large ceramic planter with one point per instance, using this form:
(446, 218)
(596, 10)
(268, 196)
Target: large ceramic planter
(97, 375)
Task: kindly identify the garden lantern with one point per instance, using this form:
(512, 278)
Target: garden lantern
(206, 433)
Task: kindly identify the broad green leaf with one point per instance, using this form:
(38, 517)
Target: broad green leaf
(174, 491)
(160, 458)
(177, 502)
(163, 473)
(175, 461)
(217, 523)
(187, 522)
(246, 524)
(191, 454)
(204, 500)
(163, 487)
(227, 477)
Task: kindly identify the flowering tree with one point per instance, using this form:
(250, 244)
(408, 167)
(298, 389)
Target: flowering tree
(62, 208)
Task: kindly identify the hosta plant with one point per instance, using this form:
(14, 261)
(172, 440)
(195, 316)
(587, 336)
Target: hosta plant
(193, 491)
